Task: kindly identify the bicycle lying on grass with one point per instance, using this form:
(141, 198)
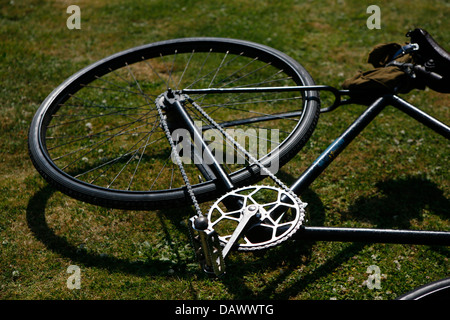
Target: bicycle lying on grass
(133, 131)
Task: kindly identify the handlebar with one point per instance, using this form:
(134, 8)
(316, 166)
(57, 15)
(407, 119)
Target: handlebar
(428, 74)
(418, 70)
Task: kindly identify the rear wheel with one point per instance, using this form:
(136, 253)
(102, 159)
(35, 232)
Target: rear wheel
(98, 137)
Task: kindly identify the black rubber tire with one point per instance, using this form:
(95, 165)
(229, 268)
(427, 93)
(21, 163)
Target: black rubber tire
(437, 290)
(149, 200)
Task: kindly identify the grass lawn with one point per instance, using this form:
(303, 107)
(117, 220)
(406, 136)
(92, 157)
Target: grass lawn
(394, 175)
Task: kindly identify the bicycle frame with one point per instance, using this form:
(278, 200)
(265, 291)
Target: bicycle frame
(335, 148)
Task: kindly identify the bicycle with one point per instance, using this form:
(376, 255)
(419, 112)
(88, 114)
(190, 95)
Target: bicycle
(129, 132)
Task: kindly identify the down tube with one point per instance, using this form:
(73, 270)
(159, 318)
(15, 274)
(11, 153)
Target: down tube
(335, 148)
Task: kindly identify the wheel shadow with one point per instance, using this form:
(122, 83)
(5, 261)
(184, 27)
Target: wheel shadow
(36, 220)
(397, 204)
(58, 243)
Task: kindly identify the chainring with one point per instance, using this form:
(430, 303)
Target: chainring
(278, 215)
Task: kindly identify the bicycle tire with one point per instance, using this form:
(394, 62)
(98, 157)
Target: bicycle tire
(438, 290)
(67, 183)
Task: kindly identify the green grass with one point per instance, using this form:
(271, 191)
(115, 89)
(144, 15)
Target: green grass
(394, 175)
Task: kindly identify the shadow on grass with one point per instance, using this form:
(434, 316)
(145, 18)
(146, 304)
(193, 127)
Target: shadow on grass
(37, 223)
(397, 203)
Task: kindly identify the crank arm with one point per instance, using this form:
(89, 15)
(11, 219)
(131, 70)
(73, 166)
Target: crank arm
(249, 214)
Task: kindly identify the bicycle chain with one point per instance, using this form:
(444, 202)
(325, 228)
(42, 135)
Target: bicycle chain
(251, 159)
(177, 157)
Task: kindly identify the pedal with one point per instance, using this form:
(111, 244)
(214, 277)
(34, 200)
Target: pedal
(206, 245)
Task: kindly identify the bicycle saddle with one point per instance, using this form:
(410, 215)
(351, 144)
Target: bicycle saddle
(433, 57)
